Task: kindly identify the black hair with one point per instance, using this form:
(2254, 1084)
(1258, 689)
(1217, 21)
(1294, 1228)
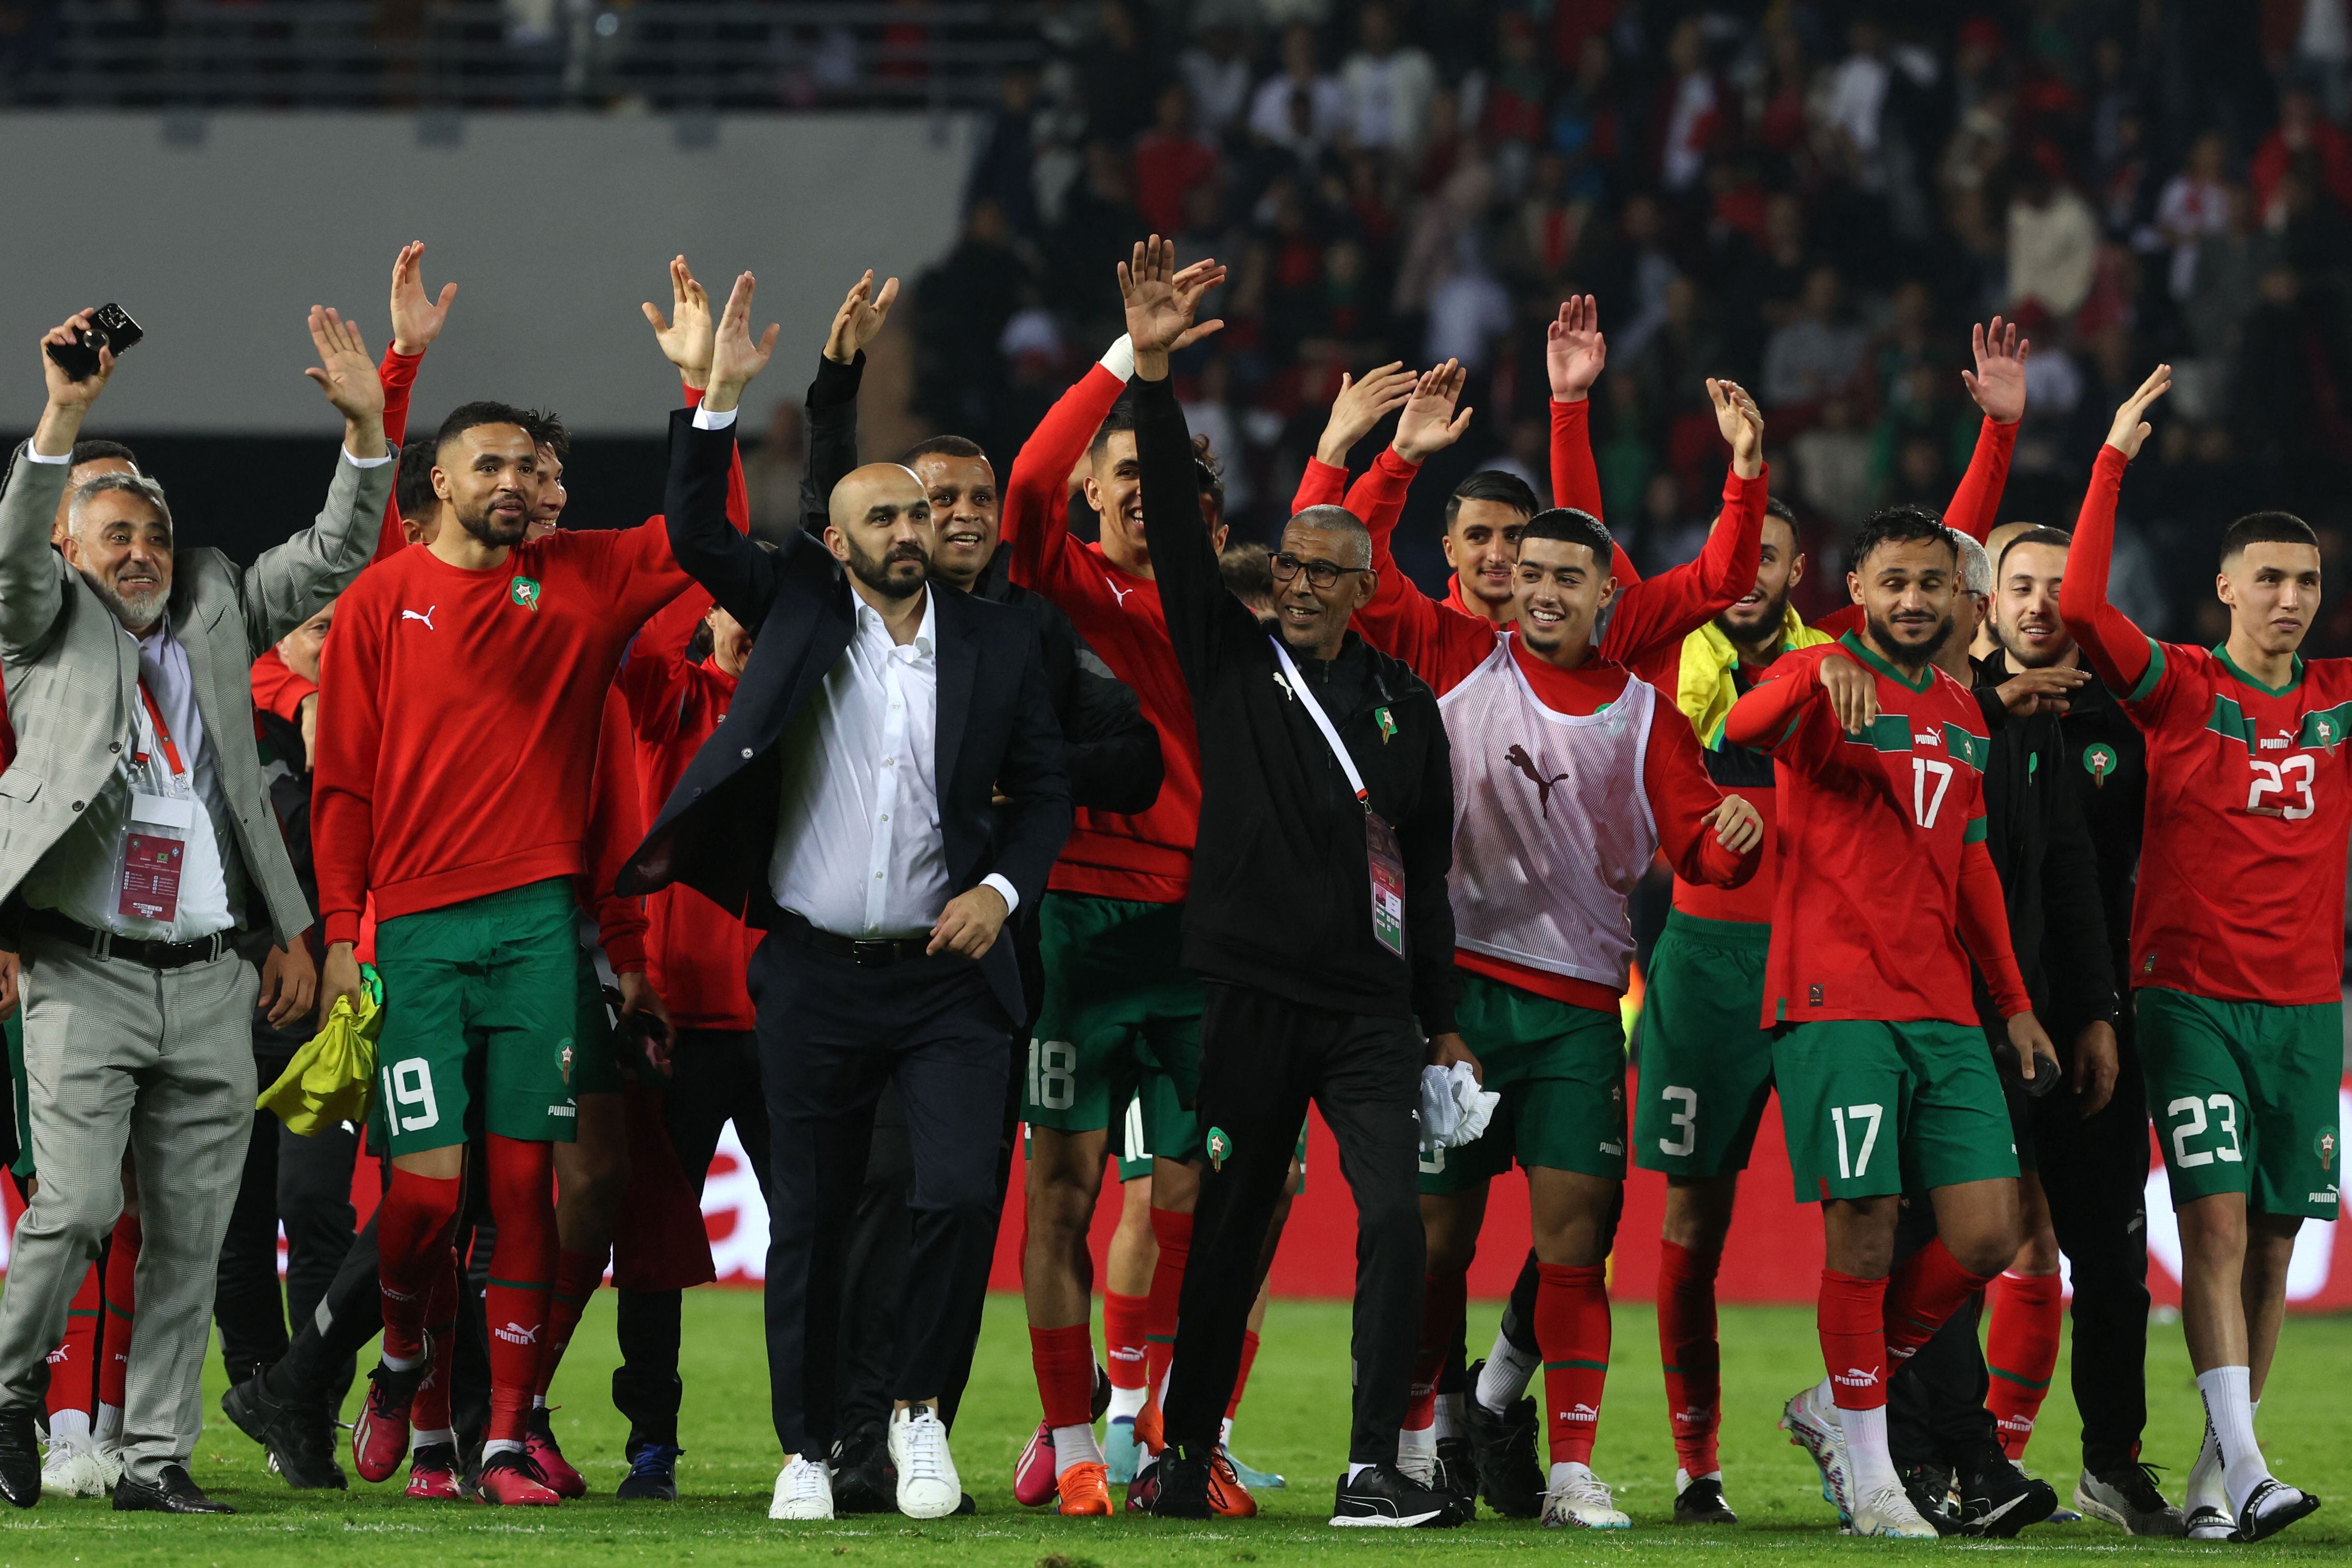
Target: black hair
(1905, 524)
(95, 451)
(2265, 528)
(412, 484)
(1120, 417)
(2037, 535)
(1210, 470)
(468, 416)
(1492, 484)
(944, 446)
(547, 430)
(1571, 526)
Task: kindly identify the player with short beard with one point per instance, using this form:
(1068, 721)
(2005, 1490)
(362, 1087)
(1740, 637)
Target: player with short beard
(1883, 1070)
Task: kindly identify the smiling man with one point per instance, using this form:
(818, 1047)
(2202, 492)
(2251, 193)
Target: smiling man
(2236, 946)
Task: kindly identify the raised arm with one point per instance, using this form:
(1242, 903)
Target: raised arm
(686, 336)
(737, 574)
(417, 319)
(1656, 611)
(1362, 403)
(1574, 354)
(1037, 496)
(2118, 650)
(833, 397)
(288, 583)
(1161, 306)
(32, 593)
(1997, 384)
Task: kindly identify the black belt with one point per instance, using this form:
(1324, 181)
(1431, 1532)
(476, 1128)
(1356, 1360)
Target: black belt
(879, 953)
(107, 945)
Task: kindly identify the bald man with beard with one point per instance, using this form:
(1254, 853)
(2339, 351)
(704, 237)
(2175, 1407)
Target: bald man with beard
(848, 808)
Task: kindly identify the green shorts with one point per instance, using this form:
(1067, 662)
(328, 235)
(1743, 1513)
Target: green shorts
(492, 983)
(597, 1061)
(2244, 1096)
(1560, 1069)
(1706, 1062)
(1153, 1114)
(1872, 1109)
(1119, 1012)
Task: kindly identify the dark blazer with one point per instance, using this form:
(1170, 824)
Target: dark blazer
(717, 831)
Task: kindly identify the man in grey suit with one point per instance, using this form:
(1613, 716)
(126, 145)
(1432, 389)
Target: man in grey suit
(135, 837)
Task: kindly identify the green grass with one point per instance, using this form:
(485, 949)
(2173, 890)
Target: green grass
(1294, 1421)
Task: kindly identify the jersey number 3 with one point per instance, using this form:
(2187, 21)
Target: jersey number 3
(1927, 800)
(2274, 779)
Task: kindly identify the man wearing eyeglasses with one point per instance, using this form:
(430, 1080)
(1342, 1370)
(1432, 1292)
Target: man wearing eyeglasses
(1318, 921)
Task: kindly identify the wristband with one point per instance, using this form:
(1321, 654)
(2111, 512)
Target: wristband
(1120, 359)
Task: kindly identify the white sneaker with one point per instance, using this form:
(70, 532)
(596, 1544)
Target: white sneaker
(1579, 1500)
(1887, 1511)
(1811, 1420)
(928, 1485)
(803, 1491)
(73, 1470)
(107, 1458)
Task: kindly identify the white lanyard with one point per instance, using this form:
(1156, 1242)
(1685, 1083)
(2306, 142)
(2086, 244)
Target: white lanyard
(1322, 722)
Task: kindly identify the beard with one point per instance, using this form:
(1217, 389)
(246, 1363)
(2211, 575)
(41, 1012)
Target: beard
(1909, 656)
(2024, 658)
(1774, 613)
(489, 530)
(874, 571)
(137, 612)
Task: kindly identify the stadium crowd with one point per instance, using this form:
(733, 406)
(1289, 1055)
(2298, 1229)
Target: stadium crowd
(1010, 809)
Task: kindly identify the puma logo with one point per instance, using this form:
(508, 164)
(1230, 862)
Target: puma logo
(1518, 757)
(1117, 593)
(426, 617)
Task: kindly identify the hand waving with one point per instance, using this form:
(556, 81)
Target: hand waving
(1998, 383)
(417, 318)
(1160, 302)
(346, 373)
(861, 316)
(685, 338)
(1429, 424)
(2131, 426)
(1361, 404)
(1574, 349)
(735, 359)
(1742, 423)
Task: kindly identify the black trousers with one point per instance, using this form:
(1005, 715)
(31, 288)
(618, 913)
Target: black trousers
(716, 1080)
(1263, 1059)
(307, 1184)
(831, 1034)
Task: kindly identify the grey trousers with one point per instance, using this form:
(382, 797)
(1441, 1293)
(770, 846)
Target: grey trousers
(160, 1062)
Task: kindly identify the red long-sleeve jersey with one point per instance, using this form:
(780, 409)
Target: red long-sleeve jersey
(399, 373)
(616, 826)
(1147, 856)
(459, 717)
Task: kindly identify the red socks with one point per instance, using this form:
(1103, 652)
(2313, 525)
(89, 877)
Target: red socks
(73, 1376)
(2022, 1352)
(577, 1275)
(1124, 1319)
(1444, 1305)
(1174, 1231)
(1924, 1292)
(1573, 1333)
(522, 1266)
(1692, 1353)
(1065, 1360)
(1241, 1378)
(121, 1307)
(429, 1411)
(412, 1231)
(1853, 1318)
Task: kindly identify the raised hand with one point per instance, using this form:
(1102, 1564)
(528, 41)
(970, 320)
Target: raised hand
(1429, 424)
(1742, 423)
(735, 359)
(1998, 383)
(1574, 349)
(1360, 406)
(685, 337)
(346, 373)
(2131, 426)
(417, 317)
(1160, 302)
(861, 316)
(64, 391)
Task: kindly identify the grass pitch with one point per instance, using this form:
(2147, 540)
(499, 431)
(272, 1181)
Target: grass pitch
(1293, 1421)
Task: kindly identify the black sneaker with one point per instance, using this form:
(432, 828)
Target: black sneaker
(1702, 1503)
(1457, 1471)
(1998, 1499)
(864, 1479)
(1382, 1496)
(1181, 1488)
(300, 1438)
(653, 1473)
(1930, 1489)
(1503, 1452)
(2128, 1496)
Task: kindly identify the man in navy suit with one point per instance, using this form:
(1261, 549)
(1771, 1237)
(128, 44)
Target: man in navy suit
(849, 805)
